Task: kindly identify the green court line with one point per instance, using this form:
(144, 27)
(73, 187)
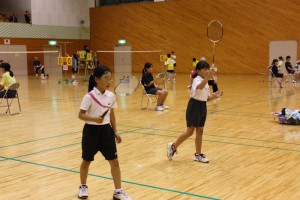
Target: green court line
(233, 143)
(3, 158)
(136, 131)
(46, 138)
(213, 135)
(248, 103)
(46, 150)
(123, 181)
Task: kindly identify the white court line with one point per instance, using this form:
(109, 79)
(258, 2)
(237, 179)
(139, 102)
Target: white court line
(160, 51)
(29, 52)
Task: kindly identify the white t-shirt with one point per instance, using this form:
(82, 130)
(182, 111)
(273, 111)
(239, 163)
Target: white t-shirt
(173, 59)
(201, 95)
(94, 109)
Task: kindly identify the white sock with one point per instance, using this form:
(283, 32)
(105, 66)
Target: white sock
(118, 190)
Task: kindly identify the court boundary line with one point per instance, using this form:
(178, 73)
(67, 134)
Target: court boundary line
(123, 181)
(222, 136)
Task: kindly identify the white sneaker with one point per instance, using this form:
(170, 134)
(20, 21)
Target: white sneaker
(83, 192)
(171, 150)
(200, 158)
(159, 108)
(121, 196)
(165, 107)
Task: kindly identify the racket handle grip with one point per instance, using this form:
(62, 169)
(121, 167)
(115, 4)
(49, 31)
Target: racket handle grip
(103, 115)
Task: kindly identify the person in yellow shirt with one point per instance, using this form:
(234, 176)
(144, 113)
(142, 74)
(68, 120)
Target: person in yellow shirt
(6, 80)
(170, 67)
(195, 61)
(280, 63)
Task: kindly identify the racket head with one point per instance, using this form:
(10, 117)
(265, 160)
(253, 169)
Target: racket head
(215, 31)
(126, 86)
(161, 75)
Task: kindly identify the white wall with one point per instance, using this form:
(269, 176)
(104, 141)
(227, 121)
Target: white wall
(61, 12)
(283, 48)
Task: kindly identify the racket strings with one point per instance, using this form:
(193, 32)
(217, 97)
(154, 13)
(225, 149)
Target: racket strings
(126, 88)
(215, 31)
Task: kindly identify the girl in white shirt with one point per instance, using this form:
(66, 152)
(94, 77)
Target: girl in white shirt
(196, 111)
(100, 134)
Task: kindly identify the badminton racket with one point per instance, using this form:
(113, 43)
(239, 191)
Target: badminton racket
(127, 86)
(215, 34)
(161, 75)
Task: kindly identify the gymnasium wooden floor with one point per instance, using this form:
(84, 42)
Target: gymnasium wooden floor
(251, 155)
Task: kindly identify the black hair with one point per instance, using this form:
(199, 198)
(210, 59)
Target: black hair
(274, 61)
(146, 66)
(6, 67)
(194, 59)
(288, 57)
(280, 57)
(172, 52)
(202, 65)
(99, 71)
(169, 55)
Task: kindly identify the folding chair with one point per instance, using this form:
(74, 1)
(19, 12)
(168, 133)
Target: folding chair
(266, 75)
(152, 98)
(274, 79)
(10, 95)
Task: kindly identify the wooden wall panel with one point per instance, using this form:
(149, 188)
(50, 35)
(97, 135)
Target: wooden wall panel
(249, 26)
(37, 45)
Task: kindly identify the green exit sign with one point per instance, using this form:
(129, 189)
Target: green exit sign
(122, 41)
(52, 42)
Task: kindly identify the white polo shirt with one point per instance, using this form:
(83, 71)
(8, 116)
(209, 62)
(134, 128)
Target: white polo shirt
(201, 95)
(94, 109)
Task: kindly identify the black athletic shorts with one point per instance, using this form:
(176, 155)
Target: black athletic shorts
(98, 138)
(153, 90)
(196, 113)
(278, 75)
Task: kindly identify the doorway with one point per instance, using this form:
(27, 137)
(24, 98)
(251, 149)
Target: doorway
(51, 60)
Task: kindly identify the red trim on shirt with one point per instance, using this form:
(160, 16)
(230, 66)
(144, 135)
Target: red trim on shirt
(94, 98)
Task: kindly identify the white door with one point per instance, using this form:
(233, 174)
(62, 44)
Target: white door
(122, 60)
(51, 61)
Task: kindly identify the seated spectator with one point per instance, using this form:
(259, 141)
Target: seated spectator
(27, 17)
(13, 18)
(149, 83)
(288, 66)
(6, 81)
(37, 66)
(277, 74)
(280, 63)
